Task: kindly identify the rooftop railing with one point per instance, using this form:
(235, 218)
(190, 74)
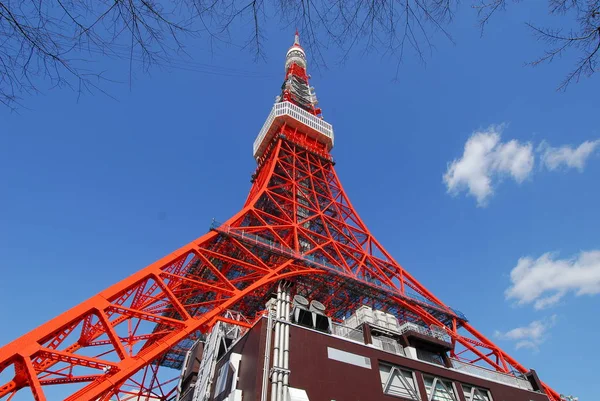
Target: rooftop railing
(504, 378)
(388, 345)
(356, 334)
(439, 334)
(349, 333)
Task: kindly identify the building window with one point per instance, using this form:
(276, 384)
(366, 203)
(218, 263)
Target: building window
(398, 382)
(431, 357)
(439, 389)
(222, 379)
(476, 393)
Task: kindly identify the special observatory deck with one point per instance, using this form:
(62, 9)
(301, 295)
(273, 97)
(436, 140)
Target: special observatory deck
(293, 116)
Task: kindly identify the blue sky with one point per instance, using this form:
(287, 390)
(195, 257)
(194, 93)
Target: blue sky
(93, 190)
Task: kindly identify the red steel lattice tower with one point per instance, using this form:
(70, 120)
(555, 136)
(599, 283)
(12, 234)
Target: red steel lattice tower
(297, 224)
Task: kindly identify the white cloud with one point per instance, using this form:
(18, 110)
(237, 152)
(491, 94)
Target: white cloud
(530, 336)
(567, 156)
(486, 160)
(546, 280)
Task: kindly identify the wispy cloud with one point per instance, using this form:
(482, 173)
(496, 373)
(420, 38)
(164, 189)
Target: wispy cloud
(485, 161)
(530, 336)
(546, 280)
(567, 156)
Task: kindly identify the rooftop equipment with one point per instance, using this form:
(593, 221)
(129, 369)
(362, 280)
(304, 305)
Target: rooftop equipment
(376, 319)
(310, 314)
(320, 320)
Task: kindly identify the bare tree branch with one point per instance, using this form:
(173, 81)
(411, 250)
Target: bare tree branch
(583, 38)
(56, 42)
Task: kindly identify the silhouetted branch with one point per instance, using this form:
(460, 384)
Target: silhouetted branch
(585, 39)
(54, 41)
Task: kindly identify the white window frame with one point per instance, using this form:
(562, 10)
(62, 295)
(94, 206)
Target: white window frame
(451, 391)
(482, 392)
(413, 389)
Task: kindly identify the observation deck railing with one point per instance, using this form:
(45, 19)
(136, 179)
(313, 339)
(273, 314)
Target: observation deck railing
(318, 128)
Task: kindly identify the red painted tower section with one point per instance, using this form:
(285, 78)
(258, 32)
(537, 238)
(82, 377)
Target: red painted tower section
(297, 224)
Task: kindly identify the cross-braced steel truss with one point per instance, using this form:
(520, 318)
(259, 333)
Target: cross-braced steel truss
(297, 224)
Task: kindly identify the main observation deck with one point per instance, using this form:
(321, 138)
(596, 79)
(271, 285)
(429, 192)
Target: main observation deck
(294, 117)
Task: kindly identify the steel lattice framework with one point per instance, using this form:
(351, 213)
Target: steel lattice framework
(297, 224)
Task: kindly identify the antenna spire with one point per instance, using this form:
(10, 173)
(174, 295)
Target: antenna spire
(295, 87)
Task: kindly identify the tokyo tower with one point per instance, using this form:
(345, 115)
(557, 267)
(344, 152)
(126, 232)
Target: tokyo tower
(297, 237)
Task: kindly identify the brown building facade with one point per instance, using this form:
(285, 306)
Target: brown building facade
(323, 366)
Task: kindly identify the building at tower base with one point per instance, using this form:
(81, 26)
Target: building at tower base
(295, 352)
